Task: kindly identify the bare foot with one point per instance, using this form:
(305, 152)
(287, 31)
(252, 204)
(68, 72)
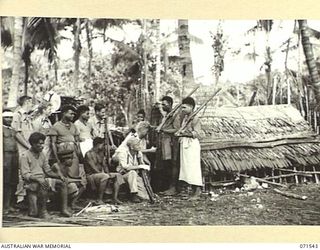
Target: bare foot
(170, 191)
(99, 202)
(117, 202)
(66, 213)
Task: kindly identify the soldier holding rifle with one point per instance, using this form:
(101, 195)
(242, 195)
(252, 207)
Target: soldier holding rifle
(189, 135)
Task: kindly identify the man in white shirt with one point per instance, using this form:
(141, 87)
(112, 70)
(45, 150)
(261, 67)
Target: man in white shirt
(129, 161)
(84, 128)
(97, 123)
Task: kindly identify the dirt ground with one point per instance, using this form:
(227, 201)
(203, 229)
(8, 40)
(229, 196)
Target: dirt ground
(226, 207)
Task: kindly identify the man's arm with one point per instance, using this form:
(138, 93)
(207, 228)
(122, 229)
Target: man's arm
(54, 148)
(48, 171)
(26, 172)
(16, 125)
(21, 140)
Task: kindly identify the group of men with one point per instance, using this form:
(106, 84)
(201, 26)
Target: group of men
(70, 156)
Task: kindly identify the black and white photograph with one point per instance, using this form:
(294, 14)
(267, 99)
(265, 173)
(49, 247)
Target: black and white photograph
(160, 122)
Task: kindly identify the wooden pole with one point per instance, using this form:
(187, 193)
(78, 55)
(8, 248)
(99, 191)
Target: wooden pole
(287, 175)
(290, 195)
(265, 181)
(272, 174)
(304, 178)
(296, 177)
(315, 175)
(279, 172)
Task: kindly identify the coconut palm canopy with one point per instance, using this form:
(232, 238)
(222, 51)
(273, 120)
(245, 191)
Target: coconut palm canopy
(244, 138)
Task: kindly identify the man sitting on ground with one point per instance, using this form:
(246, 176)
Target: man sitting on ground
(98, 173)
(34, 167)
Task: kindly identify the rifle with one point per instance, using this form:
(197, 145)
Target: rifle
(107, 145)
(147, 185)
(174, 110)
(194, 113)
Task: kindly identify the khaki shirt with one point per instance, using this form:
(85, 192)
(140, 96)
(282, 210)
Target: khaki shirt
(21, 122)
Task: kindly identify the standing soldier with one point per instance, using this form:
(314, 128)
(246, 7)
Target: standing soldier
(168, 146)
(190, 160)
(10, 161)
(22, 124)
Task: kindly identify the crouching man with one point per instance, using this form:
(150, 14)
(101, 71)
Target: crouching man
(129, 160)
(69, 190)
(34, 168)
(98, 174)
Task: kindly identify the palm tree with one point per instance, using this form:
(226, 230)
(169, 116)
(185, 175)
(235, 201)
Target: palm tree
(77, 51)
(158, 61)
(17, 62)
(311, 63)
(35, 32)
(185, 55)
(89, 42)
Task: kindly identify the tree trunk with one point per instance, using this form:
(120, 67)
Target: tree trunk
(158, 62)
(52, 45)
(144, 80)
(17, 53)
(185, 55)
(89, 42)
(77, 50)
(311, 62)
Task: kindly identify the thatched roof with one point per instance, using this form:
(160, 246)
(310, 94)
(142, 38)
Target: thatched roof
(238, 139)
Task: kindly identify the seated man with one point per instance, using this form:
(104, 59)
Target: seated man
(141, 132)
(34, 167)
(128, 162)
(98, 173)
(68, 191)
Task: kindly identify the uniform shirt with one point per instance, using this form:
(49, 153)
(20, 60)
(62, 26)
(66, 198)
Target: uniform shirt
(84, 130)
(125, 159)
(64, 132)
(21, 122)
(32, 165)
(97, 127)
(9, 140)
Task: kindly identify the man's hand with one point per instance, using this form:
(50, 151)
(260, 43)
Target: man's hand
(43, 183)
(114, 147)
(63, 179)
(178, 134)
(153, 149)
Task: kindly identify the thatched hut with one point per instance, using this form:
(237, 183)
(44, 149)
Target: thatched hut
(257, 137)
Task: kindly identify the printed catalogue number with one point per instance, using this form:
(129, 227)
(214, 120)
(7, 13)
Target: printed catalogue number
(309, 246)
